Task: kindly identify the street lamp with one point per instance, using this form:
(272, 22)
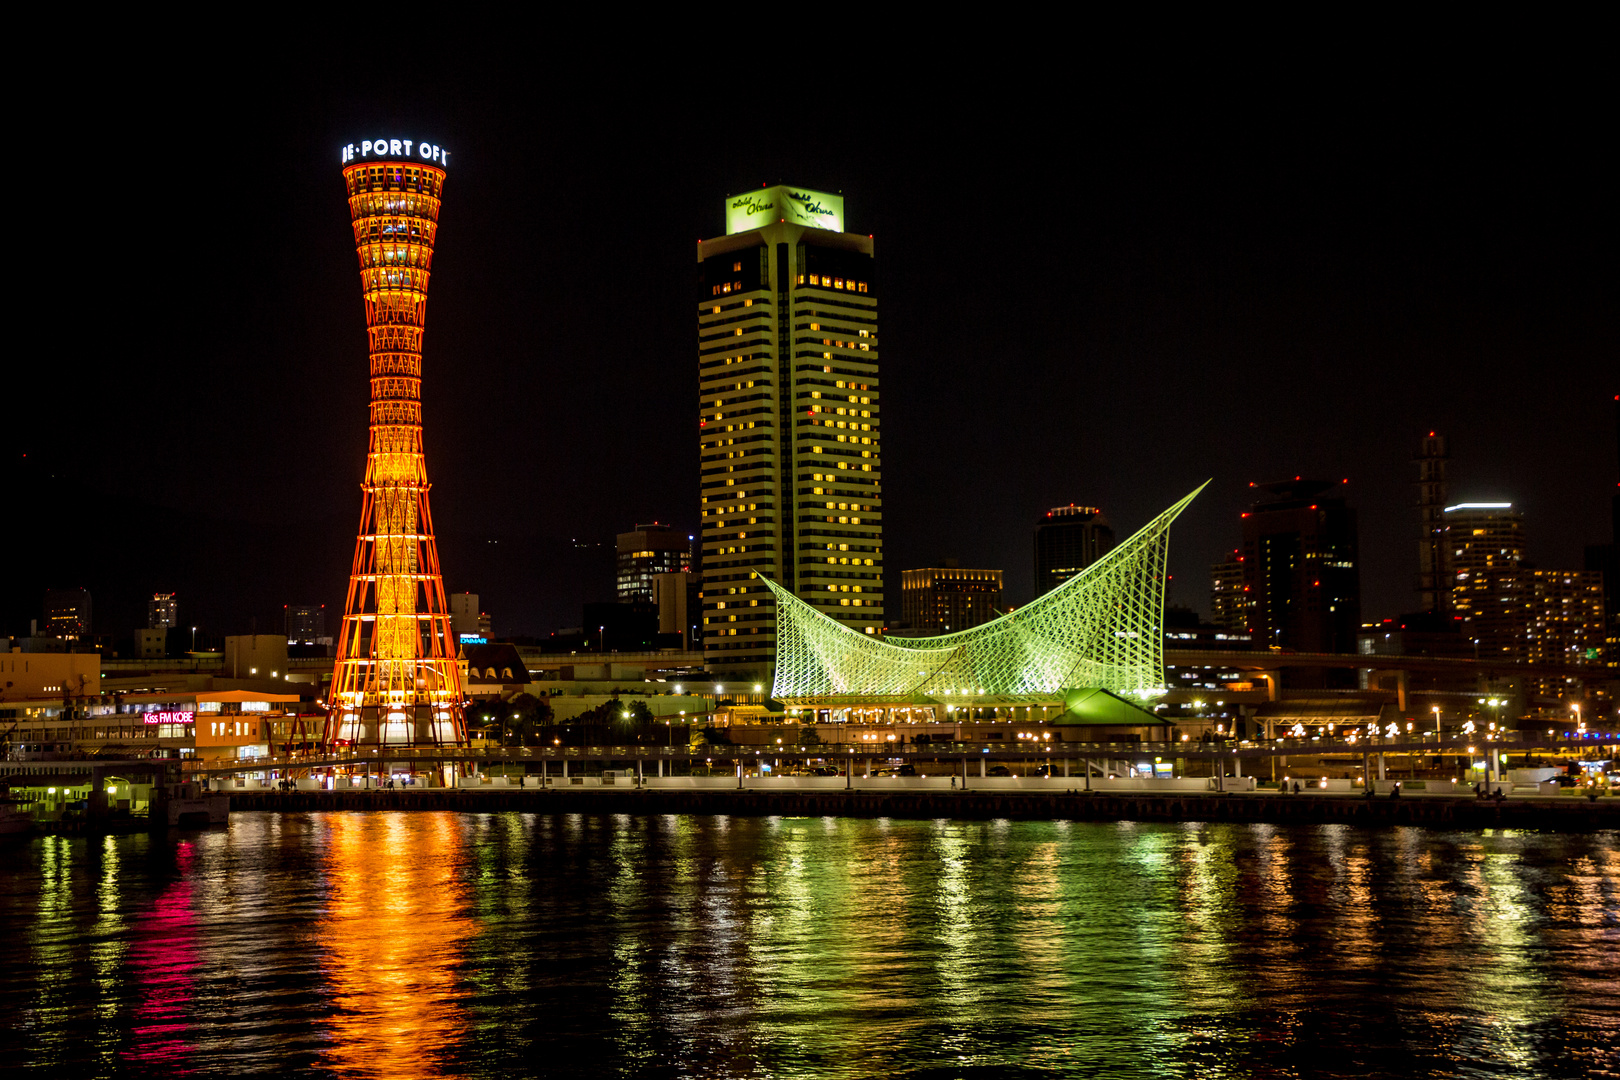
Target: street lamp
(1436, 710)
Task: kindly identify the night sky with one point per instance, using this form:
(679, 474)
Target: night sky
(1102, 298)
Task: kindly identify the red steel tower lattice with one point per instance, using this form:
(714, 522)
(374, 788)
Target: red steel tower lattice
(397, 681)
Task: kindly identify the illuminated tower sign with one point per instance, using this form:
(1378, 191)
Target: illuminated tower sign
(396, 682)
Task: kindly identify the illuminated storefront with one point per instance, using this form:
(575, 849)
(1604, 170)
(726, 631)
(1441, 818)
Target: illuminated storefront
(201, 726)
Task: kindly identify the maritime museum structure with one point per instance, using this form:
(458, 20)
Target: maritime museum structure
(1099, 631)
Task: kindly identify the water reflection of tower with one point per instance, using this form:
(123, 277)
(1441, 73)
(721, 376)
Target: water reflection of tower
(396, 680)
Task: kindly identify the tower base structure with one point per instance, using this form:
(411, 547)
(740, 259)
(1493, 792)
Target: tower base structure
(418, 725)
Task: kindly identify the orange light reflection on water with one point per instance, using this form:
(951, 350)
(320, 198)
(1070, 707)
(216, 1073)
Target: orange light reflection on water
(396, 927)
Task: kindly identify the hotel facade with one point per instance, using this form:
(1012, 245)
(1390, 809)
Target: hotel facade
(789, 424)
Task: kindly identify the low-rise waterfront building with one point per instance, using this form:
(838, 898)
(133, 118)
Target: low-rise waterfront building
(193, 726)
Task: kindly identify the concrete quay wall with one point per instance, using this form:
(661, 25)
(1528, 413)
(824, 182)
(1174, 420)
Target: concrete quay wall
(1564, 814)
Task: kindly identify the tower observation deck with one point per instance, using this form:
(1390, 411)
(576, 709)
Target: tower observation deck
(396, 682)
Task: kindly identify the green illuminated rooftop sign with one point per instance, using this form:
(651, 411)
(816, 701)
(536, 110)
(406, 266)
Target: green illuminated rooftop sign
(794, 205)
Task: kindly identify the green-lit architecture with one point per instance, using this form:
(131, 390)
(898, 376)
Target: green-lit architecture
(1102, 629)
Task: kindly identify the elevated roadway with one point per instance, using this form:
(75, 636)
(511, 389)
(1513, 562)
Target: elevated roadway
(368, 758)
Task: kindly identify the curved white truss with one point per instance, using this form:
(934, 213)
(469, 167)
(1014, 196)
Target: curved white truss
(1101, 628)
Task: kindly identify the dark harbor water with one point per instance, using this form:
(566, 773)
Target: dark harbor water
(423, 944)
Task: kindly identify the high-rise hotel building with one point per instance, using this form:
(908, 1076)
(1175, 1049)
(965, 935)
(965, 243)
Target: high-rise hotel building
(788, 424)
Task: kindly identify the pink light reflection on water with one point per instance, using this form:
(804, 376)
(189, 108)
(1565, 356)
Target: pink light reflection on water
(163, 960)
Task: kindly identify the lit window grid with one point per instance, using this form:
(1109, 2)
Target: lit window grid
(743, 333)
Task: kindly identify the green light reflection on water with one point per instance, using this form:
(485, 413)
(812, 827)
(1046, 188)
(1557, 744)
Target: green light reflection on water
(846, 947)
(48, 940)
(109, 947)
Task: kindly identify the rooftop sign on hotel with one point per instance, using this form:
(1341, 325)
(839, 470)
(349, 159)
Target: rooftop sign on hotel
(794, 205)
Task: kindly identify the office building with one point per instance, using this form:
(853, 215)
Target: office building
(679, 599)
(1483, 552)
(150, 643)
(1228, 602)
(255, 656)
(305, 624)
(789, 428)
(1604, 559)
(1433, 595)
(67, 614)
(162, 611)
(1300, 568)
(469, 622)
(945, 599)
(26, 675)
(1067, 540)
(1512, 611)
(646, 552)
(1564, 621)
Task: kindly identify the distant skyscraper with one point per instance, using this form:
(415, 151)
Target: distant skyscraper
(1067, 540)
(67, 614)
(646, 552)
(1301, 568)
(162, 611)
(1433, 595)
(1512, 611)
(946, 599)
(788, 425)
(1564, 623)
(1483, 551)
(306, 623)
(1228, 603)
